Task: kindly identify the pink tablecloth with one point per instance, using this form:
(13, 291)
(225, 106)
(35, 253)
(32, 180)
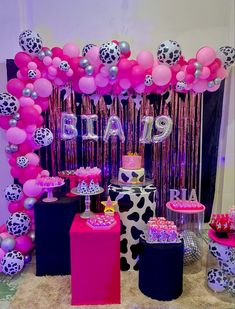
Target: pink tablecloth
(95, 263)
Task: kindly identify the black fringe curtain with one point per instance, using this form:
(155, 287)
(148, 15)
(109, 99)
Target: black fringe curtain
(172, 164)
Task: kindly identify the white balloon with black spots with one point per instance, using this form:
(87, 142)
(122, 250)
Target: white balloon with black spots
(32, 74)
(231, 286)
(216, 280)
(18, 224)
(12, 262)
(169, 52)
(148, 80)
(86, 49)
(228, 267)
(9, 105)
(30, 42)
(22, 161)
(220, 252)
(180, 86)
(64, 66)
(43, 137)
(109, 53)
(13, 192)
(226, 55)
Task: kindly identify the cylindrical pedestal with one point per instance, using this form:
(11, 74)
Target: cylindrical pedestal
(161, 270)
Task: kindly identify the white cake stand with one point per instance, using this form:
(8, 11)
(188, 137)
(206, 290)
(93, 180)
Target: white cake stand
(87, 213)
(49, 189)
(147, 182)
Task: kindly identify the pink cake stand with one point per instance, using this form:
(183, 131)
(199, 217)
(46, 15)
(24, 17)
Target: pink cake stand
(49, 189)
(72, 180)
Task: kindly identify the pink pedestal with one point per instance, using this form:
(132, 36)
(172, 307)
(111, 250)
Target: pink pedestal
(95, 263)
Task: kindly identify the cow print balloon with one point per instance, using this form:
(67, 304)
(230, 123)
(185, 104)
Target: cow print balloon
(8, 104)
(86, 49)
(109, 53)
(216, 280)
(18, 224)
(192, 248)
(22, 161)
(43, 137)
(226, 55)
(12, 263)
(30, 42)
(220, 252)
(228, 267)
(180, 86)
(64, 66)
(148, 80)
(32, 74)
(13, 192)
(231, 286)
(169, 52)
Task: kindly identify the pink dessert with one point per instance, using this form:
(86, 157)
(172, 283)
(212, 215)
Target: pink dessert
(50, 181)
(186, 205)
(130, 162)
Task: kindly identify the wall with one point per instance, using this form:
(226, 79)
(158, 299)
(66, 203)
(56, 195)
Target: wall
(144, 24)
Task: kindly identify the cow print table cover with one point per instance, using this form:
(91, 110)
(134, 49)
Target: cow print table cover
(136, 205)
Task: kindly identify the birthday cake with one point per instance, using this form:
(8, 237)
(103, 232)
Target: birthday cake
(131, 171)
(88, 180)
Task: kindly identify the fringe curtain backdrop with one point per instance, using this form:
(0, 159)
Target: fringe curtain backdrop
(172, 164)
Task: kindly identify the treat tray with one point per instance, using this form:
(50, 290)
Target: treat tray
(50, 187)
(115, 182)
(75, 191)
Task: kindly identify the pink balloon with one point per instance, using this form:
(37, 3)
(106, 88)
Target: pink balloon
(87, 84)
(206, 55)
(124, 68)
(205, 73)
(26, 101)
(190, 68)
(16, 136)
(140, 88)
(222, 73)
(200, 86)
(137, 75)
(23, 244)
(44, 104)
(214, 88)
(52, 70)
(47, 60)
(189, 78)
(5, 235)
(30, 86)
(38, 108)
(145, 59)
(56, 62)
(161, 75)
(71, 50)
(93, 57)
(104, 71)
(30, 128)
(125, 83)
(33, 158)
(15, 87)
(29, 115)
(57, 52)
(32, 65)
(14, 207)
(69, 73)
(31, 189)
(43, 87)
(180, 76)
(101, 81)
(4, 122)
(22, 59)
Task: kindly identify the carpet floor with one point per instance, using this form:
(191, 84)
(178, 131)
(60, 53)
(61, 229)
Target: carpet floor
(53, 292)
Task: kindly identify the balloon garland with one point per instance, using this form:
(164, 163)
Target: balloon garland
(104, 70)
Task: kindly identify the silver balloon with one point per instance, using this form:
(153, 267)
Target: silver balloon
(41, 55)
(12, 122)
(26, 92)
(31, 234)
(114, 128)
(164, 125)
(68, 126)
(83, 62)
(198, 65)
(16, 116)
(14, 148)
(197, 73)
(89, 69)
(113, 71)
(8, 149)
(48, 52)
(8, 244)
(147, 127)
(217, 81)
(29, 202)
(124, 47)
(34, 95)
(90, 135)
(211, 84)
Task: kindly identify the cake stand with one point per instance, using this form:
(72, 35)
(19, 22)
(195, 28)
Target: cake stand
(69, 174)
(115, 182)
(49, 189)
(87, 213)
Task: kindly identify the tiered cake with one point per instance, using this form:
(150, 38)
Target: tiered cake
(131, 171)
(88, 180)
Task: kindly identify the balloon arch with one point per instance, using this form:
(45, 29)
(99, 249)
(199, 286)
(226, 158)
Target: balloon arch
(107, 69)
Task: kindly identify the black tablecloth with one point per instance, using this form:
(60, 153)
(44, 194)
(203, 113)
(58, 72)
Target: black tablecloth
(161, 270)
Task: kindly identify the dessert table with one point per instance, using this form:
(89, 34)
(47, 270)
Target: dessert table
(95, 263)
